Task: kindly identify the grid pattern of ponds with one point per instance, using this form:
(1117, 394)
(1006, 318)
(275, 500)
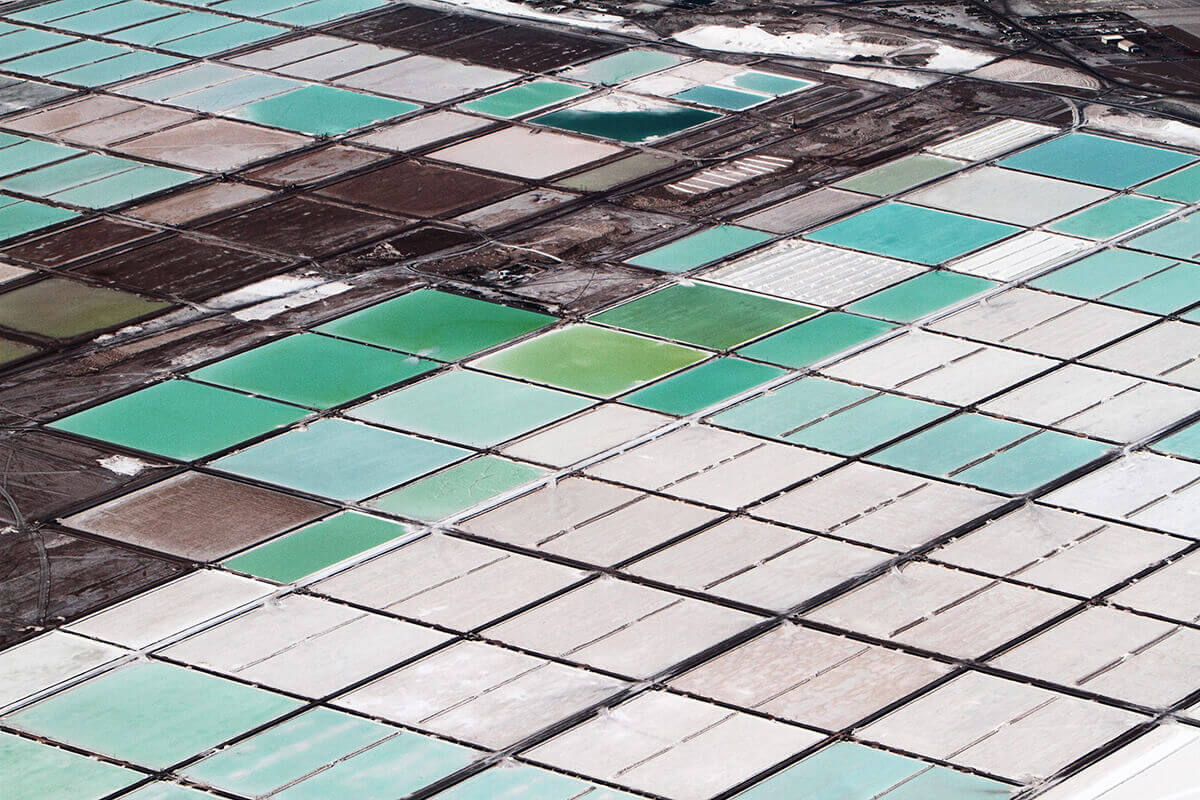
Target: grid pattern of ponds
(885, 489)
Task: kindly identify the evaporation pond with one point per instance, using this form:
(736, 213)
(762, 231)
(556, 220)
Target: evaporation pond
(626, 118)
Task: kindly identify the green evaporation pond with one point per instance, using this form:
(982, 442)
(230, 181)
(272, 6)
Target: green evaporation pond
(58, 308)
(848, 771)
(470, 407)
(36, 771)
(633, 125)
(700, 248)
(1113, 217)
(590, 359)
(151, 714)
(314, 370)
(1184, 443)
(816, 339)
(1097, 160)
(180, 419)
(611, 70)
(323, 110)
(721, 97)
(903, 173)
(317, 546)
(912, 233)
(703, 385)
(1182, 186)
(1178, 239)
(340, 459)
(519, 100)
(1128, 278)
(436, 324)
(456, 488)
(920, 296)
(617, 173)
(704, 315)
(11, 351)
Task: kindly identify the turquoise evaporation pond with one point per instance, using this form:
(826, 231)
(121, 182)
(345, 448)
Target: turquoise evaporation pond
(769, 83)
(27, 40)
(112, 17)
(1178, 239)
(623, 66)
(340, 459)
(89, 63)
(96, 181)
(1182, 186)
(848, 771)
(237, 92)
(36, 771)
(1098, 160)
(291, 12)
(326, 754)
(829, 415)
(153, 34)
(699, 248)
(634, 126)
(721, 97)
(1184, 443)
(47, 12)
(172, 85)
(912, 233)
(1114, 216)
(992, 453)
(518, 100)
(24, 216)
(23, 154)
(116, 69)
(323, 110)
(1130, 279)
(521, 782)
